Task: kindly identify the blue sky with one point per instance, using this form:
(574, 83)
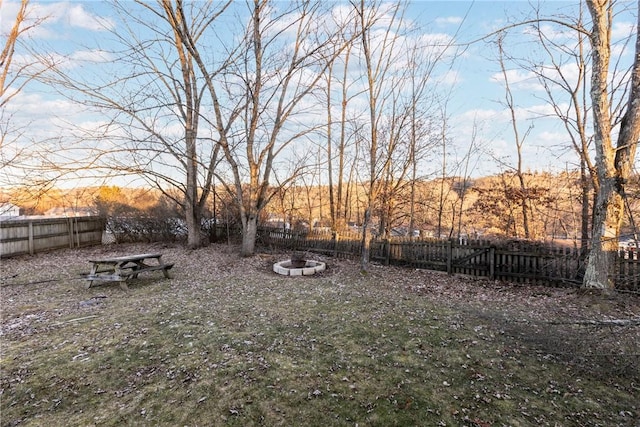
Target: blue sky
(77, 28)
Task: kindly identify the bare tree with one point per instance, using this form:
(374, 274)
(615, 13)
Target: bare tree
(519, 141)
(14, 77)
(154, 102)
(337, 173)
(614, 158)
(406, 130)
(195, 195)
(566, 76)
(6, 57)
(399, 89)
(283, 58)
(420, 139)
(464, 184)
(562, 71)
(377, 65)
(444, 142)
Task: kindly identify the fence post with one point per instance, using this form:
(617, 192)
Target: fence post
(387, 251)
(492, 262)
(449, 257)
(70, 224)
(335, 244)
(31, 246)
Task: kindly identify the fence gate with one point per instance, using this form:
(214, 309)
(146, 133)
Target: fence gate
(469, 260)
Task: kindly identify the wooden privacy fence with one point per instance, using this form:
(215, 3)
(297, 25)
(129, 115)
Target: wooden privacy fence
(32, 235)
(520, 262)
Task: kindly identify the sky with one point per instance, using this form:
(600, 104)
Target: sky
(475, 107)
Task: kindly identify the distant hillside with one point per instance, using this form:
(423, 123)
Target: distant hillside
(451, 207)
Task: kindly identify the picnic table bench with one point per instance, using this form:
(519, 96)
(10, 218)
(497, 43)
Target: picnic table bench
(121, 269)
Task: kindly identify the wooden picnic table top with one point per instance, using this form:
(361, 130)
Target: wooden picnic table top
(122, 268)
(126, 258)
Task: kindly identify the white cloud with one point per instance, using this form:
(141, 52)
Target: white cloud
(436, 46)
(33, 105)
(538, 114)
(551, 138)
(95, 56)
(571, 73)
(539, 111)
(9, 11)
(551, 32)
(450, 77)
(620, 30)
(436, 39)
(77, 16)
(32, 64)
(519, 79)
(51, 15)
(478, 115)
(449, 20)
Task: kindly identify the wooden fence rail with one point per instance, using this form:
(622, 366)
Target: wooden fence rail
(519, 262)
(32, 235)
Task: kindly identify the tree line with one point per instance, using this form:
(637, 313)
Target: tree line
(487, 208)
(261, 96)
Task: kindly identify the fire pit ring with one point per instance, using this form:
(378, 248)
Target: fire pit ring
(288, 268)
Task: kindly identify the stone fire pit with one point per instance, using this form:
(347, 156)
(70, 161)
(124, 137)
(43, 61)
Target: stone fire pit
(296, 267)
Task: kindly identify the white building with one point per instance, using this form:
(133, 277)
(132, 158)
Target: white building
(9, 210)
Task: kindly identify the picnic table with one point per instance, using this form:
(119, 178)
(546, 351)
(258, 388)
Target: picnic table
(121, 269)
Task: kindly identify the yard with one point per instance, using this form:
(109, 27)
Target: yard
(229, 342)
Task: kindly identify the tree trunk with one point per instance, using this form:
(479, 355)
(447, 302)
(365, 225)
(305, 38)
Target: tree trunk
(192, 210)
(524, 198)
(613, 163)
(6, 56)
(192, 219)
(342, 212)
(585, 208)
(366, 241)
(190, 113)
(332, 199)
(249, 233)
(608, 217)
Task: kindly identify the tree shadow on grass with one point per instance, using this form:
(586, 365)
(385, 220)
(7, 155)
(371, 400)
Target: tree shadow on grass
(602, 351)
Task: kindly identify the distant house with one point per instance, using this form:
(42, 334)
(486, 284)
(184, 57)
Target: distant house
(322, 225)
(629, 245)
(9, 210)
(64, 211)
(278, 223)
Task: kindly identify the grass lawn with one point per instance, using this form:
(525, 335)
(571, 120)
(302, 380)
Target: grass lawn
(229, 342)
